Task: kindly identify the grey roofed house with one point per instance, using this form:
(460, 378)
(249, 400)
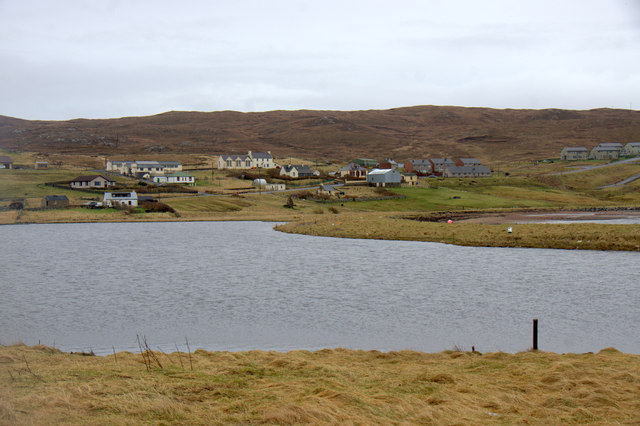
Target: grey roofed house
(631, 149)
(439, 164)
(92, 181)
(574, 153)
(260, 155)
(384, 177)
(296, 170)
(54, 201)
(466, 171)
(468, 162)
(419, 166)
(606, 152)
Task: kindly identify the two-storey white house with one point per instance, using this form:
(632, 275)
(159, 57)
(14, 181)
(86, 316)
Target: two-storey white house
(252, 160)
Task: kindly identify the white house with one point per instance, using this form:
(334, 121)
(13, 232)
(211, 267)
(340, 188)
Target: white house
(252, 160)
(606, 151)
(138, 168)
(384, 177)
(92, 181)
(179, 177)
(574, 153)
(121, 198)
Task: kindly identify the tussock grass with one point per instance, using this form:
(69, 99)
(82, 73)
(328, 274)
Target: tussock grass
(40, 385)
(386, 227)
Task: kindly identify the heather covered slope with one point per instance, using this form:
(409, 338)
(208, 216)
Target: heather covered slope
(402, 133)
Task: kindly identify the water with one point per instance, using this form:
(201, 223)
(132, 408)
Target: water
(242, 285)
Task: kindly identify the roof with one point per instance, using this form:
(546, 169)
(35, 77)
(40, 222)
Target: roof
(628, 143)
(381, 171)
(234, 156)
(329, 188)
(442, 161)
(576, 148)
(56, 197)
(470, 160)
(89, 178)
(352, 166)
(5, 159)
(468, 169)
(601, 148)
(611, 144)
(180, 174)
(260, 155)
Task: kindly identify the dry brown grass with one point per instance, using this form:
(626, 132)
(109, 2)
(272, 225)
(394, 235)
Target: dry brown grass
(586, 236)
(40, 385)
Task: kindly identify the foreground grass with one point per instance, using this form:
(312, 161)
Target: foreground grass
(40, 385)
(586, 236)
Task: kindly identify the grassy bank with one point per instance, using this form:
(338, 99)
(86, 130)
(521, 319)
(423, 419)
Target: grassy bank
(586, 236)
(40, 385)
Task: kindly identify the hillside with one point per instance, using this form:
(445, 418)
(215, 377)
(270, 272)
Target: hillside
(401, 133)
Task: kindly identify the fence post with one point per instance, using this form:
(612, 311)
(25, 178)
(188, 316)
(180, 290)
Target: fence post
(535, 334)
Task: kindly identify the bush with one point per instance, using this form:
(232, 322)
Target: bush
(156, 207)
(333, 210)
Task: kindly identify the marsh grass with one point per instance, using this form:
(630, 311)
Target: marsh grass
(327, 386)
(388, 227)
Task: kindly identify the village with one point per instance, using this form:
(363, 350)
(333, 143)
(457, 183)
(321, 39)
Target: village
(271, 176)
(133, 184)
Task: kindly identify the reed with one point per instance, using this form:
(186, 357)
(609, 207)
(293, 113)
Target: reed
(327, 386)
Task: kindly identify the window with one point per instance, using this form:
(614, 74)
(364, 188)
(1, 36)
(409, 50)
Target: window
(229, 163)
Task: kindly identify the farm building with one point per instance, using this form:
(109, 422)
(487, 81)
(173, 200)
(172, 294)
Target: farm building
(55, 201)
(575, 153)
(92, 181)
(384, 177)
(41, 165)
(6, 162)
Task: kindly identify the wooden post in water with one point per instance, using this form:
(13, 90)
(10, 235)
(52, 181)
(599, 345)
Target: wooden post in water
(535, 334)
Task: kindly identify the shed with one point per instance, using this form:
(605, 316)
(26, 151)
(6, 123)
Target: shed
(54, 201)
(6, 162)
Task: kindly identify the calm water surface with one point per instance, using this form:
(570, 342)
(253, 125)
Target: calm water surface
(242, 285)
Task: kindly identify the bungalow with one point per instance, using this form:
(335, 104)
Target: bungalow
(353, 170)
(632, 149)
(178, 177)
(296, 171)
(384, 177)
(92, 181)
(410, 178)
(576, 153)
(438, 164)
(606, 151)
(6, 162)
(251, 160)
(466, 171)
(473, 162)
(122, 198)
(55, 201)
(419, 167)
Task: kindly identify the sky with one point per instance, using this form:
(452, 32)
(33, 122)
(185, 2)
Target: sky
(68, 59)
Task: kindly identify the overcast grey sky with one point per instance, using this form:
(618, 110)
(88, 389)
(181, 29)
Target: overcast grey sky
(67, 59)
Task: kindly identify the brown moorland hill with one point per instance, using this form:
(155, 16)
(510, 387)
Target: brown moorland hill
(491, 135)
